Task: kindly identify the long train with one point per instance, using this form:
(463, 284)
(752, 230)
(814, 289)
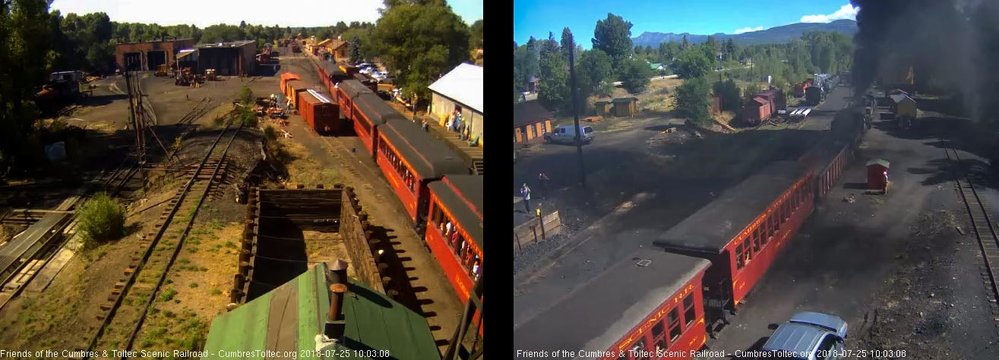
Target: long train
(661, 301)
(442, 200)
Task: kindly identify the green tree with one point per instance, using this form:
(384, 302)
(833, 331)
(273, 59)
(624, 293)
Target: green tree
(567, 43)
(692, 63)
(421, 42)
(27, 41)
(613, 36)
(729, 93)
(594, 68)
(692, 101)
(553, 91)
(635, 75)
(475, 35)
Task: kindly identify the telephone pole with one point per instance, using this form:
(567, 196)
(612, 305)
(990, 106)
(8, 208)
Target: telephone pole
(575, 112)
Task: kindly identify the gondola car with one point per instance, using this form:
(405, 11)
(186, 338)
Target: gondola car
(410, 159)
(346, 93)
(454, 229)
(651, 301)
(369, 112)
(744, 229)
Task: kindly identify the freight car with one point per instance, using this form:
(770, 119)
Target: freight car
(665, 298)
(319, 112)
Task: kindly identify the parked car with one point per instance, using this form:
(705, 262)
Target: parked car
(809, 336)
(366, 70)
(566, 134)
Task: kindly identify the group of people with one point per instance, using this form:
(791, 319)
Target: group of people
(402, 170)
(469, 259)
(456, 123)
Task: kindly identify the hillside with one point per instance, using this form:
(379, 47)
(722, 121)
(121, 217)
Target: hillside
(779, 34)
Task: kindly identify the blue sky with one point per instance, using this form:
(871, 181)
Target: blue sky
(266, 12)
(538, 17)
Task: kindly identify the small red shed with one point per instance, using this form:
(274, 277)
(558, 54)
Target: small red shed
(877, 174)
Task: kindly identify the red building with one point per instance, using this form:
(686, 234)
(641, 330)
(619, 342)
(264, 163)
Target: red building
(653, 303)
(744, 229)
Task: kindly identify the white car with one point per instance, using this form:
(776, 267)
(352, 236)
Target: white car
(378, 75)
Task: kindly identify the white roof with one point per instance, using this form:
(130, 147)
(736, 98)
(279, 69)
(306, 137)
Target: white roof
(463, 85)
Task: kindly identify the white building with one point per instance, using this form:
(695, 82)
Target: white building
(460, 89)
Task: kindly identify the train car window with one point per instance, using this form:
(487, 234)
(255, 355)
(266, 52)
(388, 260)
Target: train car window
(657, 329)
(738, 257)
(756, 242)
(749, 254)
(688, 313)
(674, 324)
(760, 233)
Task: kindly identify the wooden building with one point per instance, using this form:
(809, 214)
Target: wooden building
(625, 106)
(148, 55)
(530, 121)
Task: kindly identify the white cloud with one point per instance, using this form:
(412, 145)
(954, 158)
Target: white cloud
(845, 12)
(748, 29)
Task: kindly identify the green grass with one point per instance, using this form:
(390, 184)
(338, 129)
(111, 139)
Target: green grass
(168, 294)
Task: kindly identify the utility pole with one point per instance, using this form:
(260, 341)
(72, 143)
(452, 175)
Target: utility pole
(575, 113)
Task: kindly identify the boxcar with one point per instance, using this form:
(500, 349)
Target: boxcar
(368, 112)
(744, 229)
(293, 92)
(285, 77)
(457, 200)
(649, 304)
(410, 160)
(319, 112)
(346, 92)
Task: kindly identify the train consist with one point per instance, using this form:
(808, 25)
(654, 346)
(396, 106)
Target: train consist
(661, 301)
(433, 182)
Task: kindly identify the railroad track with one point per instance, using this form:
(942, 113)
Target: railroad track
(132, 296)
(985, 229)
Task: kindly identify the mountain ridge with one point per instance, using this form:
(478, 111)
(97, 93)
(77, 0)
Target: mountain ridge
(777, 34)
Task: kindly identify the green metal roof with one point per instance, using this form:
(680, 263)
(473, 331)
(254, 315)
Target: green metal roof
(884, 163)
(286, 321)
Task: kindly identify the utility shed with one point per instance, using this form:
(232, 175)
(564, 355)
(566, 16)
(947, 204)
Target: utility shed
(530, 121)
(603, 106)
(228, 58)
(625, 106)
(903, 106)
(461, 89)
(287, 319)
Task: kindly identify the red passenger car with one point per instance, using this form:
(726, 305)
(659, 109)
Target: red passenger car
(410, 159)
(319, 112)
(368, 112)
(454, 229)
(744, 229)
(650, 302)
(346, 92)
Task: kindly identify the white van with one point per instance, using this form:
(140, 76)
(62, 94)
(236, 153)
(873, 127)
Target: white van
(566, 134)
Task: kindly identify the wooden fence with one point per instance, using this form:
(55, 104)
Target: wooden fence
(536, 230)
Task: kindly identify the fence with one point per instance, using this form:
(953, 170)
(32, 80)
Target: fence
(536, 230)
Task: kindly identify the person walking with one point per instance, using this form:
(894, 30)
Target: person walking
(525, 192)
(543, 180)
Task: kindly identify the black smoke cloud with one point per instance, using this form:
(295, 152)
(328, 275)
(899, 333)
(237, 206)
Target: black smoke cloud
(944, 41)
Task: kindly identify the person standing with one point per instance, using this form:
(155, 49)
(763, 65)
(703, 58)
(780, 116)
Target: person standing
(886, 181)
(525, 192)
(543, 180)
